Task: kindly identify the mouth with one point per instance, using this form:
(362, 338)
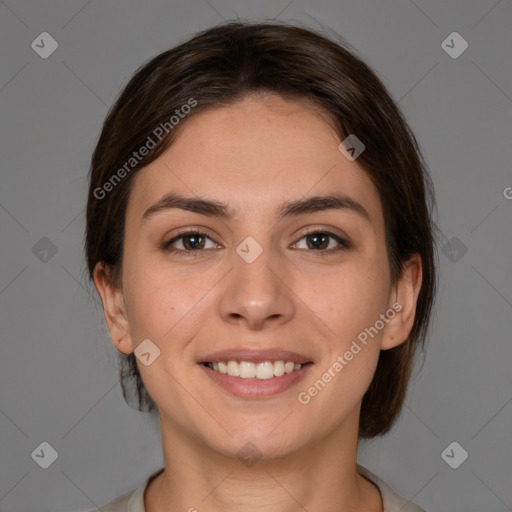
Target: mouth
(255, 373)
(248, 370)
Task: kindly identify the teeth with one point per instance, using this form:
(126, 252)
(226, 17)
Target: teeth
(279, 368)
(265, 370)
(233, 369)
(248, 370)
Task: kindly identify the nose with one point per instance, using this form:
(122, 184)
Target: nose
(258, 294)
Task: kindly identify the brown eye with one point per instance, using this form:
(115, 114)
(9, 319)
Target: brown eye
(191, 241)
(320, 241)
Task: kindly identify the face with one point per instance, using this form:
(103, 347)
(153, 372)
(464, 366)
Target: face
(266, 283)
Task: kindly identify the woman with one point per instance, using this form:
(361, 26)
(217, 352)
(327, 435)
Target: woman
(259, 230)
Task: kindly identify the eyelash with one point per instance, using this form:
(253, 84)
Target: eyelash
(167, 246)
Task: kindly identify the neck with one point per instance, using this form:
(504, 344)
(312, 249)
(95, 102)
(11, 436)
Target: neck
(320, 476)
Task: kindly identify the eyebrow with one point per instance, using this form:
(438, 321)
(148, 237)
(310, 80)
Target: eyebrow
(213, 208)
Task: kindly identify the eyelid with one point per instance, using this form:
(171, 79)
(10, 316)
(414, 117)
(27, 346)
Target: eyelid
(330, 231)
(342, 240)
(190, 230)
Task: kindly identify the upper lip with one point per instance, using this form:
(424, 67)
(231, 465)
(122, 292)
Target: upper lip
(255, 356)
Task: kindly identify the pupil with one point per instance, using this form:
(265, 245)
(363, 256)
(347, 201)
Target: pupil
(193, 237)
(317, 237)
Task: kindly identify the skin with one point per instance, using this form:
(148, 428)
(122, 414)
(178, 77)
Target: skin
(253, 155)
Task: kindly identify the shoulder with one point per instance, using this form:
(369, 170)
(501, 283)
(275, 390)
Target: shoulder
(131, 501)
(120, 504)
(393, 502)
(123, 503)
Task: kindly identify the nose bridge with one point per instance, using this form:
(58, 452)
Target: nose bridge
(256, 289)
(253, 278)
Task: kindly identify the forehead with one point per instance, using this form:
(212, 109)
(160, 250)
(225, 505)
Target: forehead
(252, 155)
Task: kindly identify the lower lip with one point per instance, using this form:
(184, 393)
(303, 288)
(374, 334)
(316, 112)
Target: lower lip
(256, 388)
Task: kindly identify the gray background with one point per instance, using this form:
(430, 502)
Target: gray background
(58, 369)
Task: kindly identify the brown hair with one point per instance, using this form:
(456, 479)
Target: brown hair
(226, 63)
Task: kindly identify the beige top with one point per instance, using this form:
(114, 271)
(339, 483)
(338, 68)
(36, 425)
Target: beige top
(133, 501)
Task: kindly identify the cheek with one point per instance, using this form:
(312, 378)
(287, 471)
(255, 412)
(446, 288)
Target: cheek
(161, 305)
(349, 305)
(350, 299)
(151, 301)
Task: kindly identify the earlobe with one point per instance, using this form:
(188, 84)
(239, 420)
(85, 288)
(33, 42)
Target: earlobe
(403, 300)
(113, 309)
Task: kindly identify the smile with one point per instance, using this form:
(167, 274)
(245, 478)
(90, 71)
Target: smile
(256, 380)
(248, 370)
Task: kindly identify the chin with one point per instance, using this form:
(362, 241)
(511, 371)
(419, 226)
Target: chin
(255, 441)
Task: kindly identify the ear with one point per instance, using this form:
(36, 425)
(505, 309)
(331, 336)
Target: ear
(114, 309)
(404, 297)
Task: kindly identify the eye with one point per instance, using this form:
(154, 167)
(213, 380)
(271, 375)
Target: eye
(191, 241)
(318, 240)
